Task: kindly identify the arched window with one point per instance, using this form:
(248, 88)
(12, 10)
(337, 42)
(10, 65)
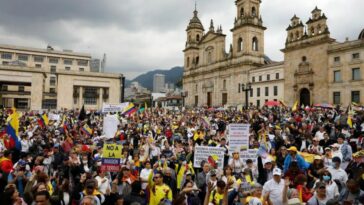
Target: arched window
(242, 12)
(209, 57)
(197, 38)
(188, 62)
(304, 58)
(297, 35)
(312, 31)
(291, 37)
(255, 44)
(319, 29)
(240, 44)
(254, 11)
(197, 60)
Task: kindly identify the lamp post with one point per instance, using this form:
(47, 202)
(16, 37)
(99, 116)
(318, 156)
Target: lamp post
(246, 88)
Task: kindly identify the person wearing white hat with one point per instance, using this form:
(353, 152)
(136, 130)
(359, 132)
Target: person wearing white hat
(272, 189)
(336, 151)
(236, 163)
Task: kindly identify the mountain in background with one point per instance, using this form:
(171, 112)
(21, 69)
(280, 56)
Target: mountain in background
(173, 75)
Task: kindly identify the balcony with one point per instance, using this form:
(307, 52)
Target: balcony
(14, 92)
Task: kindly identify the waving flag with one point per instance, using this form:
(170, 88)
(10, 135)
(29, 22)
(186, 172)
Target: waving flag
(295, 106)
(87, 130)
(130, 109)
(12, 128)
(43, 121)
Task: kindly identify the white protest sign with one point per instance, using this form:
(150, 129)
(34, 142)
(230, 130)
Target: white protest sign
(204, 153)
(114, 108)
(53, 117)
(238, 137)
(110, 126)
(249, 154)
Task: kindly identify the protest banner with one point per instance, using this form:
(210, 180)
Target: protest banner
(238, 137)
(54, 117)
(249, 154)
(111, 154)
(110, 126)
(213, 155)
(114, 108)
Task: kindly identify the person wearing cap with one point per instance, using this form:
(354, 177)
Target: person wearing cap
(346, 151)
(337, 172)
(320, 197)
(294, 156)
(315, 168)
(336, 152)
(272, 189)
(265, 170)
(327, 158)
(355, 168)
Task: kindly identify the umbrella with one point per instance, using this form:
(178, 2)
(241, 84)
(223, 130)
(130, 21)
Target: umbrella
(324, 105)
(272, 103)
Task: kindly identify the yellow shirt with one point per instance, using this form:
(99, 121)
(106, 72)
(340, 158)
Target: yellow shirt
(159, 192)
(249, 198)
(216, 198)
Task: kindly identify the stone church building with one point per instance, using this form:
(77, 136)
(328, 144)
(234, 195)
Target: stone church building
(316, 68)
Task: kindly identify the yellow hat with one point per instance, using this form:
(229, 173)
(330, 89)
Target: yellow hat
(292, 148)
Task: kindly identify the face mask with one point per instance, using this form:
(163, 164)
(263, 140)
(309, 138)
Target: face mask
(326, 178)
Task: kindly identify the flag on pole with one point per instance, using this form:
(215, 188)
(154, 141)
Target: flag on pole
(82, 115)
(43, 120)
(295, 106)
(130, 109)
(12, 128)
(87, 130)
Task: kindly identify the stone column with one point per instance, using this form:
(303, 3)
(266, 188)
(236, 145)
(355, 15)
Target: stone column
(36, 91)
(100, 99)
(80, 99)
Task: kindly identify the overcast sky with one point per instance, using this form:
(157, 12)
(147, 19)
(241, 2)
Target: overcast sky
(143, 35)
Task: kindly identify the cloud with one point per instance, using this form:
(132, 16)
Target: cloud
(140, 35)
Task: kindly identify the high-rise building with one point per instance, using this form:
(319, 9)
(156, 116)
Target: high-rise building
(158, 83)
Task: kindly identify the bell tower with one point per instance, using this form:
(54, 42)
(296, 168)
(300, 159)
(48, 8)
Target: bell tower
(248, 32)
(194, 31)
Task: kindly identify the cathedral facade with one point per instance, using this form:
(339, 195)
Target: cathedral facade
(315, 67)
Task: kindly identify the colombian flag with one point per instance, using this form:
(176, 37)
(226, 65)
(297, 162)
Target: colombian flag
(12, 128)
(43, 120)
(130, 109)
(87, 130)
(295, 106)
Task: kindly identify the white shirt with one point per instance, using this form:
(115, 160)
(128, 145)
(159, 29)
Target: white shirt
(275, 189)
(320, 135)
(103, 186)
(236, 165)
(337, 154)
(339, 174)
(25, 144)
(144, 175)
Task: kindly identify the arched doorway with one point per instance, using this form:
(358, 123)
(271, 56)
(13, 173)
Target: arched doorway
(305, 97)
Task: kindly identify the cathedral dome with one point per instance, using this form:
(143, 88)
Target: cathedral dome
(361, 35)
(195, 22)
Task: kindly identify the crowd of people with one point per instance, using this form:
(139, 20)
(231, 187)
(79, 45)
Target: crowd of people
(309, 156)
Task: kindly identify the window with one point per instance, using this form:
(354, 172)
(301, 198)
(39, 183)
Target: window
(337, 76)
(21, 88)
(38, 59)
(188, 62)
(90, 95)
(224, 85)
(53, 60)
(258, 103)
(52, 90)
(67, 61)
(255, 44)
(197, 60)
(260, 78)
(6, 56)
(275, 90)
(209, 57)
(23, 57)
(251, 92)
(196, 88)
(5, 63)
(336, 98)
(356, 74)
(277, 76)
(240, 44)
(268, 77)
(253, 79)
(224, 98)
(82, 62)
(67, 68)
(254, 11)
(4, 88)
(53, 69)
(49, 104)
(258, 92)
(355, 96)
(304, 58)
(81, 69)
(52, 81)
(337, 59)
(266, 91)
(356, 55)
(197, 38)
(38, 65)
(242, 12)
(196, 100)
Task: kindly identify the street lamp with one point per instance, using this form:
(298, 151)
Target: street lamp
(246, 88)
